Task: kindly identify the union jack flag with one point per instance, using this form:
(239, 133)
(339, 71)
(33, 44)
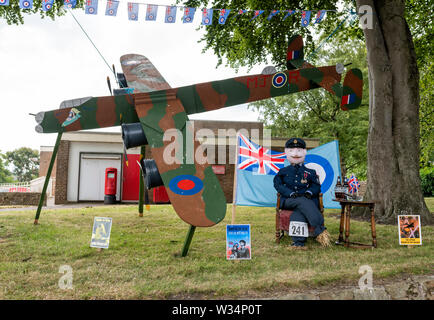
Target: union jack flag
(255, 158)
(353, 184)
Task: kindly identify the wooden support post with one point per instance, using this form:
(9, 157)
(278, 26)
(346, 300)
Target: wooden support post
(47, 177)
(188, 239)
(341, 226)
(142, 184)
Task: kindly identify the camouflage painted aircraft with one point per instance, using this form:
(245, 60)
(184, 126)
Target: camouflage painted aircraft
(193, 189)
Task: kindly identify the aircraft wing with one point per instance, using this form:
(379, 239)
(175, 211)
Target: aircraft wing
(141, 74)
(193, 188)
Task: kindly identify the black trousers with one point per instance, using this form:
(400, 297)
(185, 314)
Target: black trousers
(305, 210)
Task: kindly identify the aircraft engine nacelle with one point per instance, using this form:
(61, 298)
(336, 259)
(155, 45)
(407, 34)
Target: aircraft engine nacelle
(150, 171)
(133, 135)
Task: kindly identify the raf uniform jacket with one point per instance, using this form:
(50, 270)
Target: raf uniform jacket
(296, 179)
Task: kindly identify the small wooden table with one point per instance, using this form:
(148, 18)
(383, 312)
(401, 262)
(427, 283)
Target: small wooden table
(345, 220)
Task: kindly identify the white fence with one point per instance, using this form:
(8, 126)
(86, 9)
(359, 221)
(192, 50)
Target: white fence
(35, 185)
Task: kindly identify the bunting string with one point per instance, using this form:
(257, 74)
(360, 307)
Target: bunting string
(308, 17)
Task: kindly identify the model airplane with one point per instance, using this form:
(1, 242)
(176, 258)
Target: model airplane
(193, 189)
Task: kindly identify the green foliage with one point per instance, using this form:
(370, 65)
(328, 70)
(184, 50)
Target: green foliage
(25, 162)
(427, 179)
(5, 174)
(14, 15)
(245, 43)
(317, 114)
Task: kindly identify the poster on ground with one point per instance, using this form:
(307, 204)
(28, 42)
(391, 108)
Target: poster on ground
(238, 242)
(409, 228)
(101, 232)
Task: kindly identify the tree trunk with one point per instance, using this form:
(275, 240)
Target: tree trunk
(393, 139)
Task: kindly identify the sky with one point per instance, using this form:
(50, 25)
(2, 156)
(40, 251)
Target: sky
(45, 62)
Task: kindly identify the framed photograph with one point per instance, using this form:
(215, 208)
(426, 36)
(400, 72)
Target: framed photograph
(101, 232)
(238, 242)
(409, 228)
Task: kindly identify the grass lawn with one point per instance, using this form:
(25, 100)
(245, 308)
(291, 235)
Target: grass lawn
(143, 263)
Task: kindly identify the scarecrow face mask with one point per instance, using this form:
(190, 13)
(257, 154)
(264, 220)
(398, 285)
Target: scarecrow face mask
(295, 155)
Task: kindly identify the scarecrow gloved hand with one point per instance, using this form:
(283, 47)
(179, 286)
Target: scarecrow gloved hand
(308, 195)
(293, 195)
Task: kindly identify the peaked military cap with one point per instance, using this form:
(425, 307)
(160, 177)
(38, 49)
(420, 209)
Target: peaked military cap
(295, 143)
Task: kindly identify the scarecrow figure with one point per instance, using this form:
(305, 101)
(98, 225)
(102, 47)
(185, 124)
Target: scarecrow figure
(299, 188)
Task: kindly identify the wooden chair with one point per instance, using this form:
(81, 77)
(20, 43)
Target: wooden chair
(283, 218)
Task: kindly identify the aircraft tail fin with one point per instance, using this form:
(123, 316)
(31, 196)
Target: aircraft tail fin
(295, 52)
(352, 90)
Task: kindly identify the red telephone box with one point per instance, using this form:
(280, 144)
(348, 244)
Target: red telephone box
(111, 178)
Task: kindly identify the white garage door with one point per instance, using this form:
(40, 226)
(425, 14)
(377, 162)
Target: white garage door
(92, 175)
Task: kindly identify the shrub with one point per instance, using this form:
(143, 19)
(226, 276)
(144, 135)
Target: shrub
(427, 177)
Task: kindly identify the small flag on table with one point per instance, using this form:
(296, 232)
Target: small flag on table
(224, 13)
(91, 7)
(47, 5)
(170, 14)
(151, 12)
(188, 15)
(305, 18)
(133, 11)
(111, 8)
(347, 99)
(26, 4)
(320, 15)
(207, 16)
(353, 184)
(272, 14)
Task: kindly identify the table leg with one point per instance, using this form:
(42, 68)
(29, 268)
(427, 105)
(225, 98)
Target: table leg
(373, 230)
(341, 227)
(347, 226)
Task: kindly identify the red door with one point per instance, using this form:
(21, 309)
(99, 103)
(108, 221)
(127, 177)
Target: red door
(131, 178)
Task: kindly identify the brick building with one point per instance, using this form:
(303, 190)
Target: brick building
(84, 155)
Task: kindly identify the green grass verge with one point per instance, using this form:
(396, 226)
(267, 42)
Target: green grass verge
(143, 263)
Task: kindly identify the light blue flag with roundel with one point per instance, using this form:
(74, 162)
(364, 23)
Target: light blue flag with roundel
(272, 14)
(223, 16)
(188, 15)
(305, 18)
(111, 8)
(133, 11)
(47, 5)
(4, 2)
(207, 16)
(91, 7)
(151, 12)
(170, 14)
(26, 4)
(320, 16)
(70, 3)
(254, 189)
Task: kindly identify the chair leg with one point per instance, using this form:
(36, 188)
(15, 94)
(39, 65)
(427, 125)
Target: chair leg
(373, 230)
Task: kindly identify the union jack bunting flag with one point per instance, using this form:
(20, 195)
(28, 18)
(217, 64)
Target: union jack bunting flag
(259, 160)
(111, 8)
(353, 184)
